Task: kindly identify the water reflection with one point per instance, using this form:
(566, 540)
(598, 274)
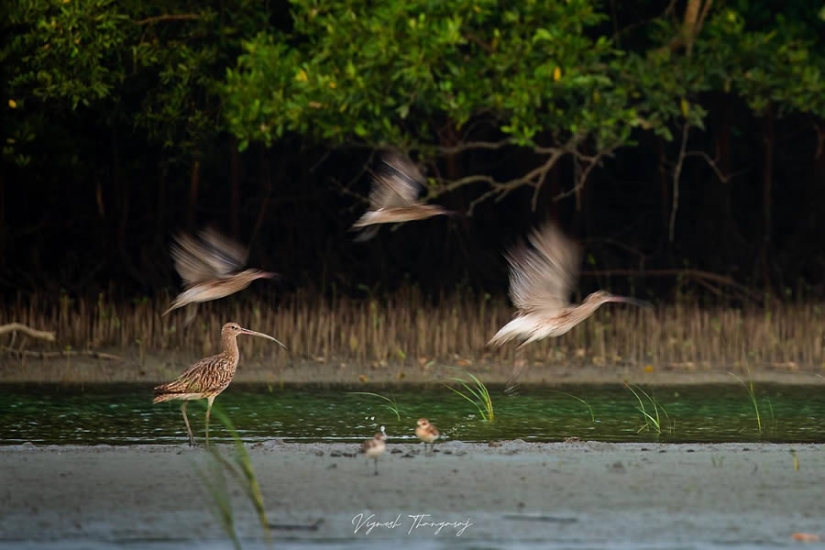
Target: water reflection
(123, 414)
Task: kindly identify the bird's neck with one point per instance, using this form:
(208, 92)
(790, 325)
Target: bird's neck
(589, 306)
(229, 345)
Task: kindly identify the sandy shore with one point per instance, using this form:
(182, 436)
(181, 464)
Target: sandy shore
(515, 495)
(161, 369)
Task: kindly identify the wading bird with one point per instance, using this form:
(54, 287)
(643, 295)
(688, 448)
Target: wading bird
(210, 267)
(541, 281)
(427, 433)
(375, 447)
(207, 378)
(394, 197)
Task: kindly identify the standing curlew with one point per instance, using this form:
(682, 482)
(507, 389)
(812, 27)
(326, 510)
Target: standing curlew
(375, 447)
(541, 281)
(394, 196)
(207, 378)
(210, 267)
(427, 433)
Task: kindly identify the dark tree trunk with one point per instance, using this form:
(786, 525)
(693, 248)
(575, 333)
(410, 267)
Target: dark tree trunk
(664, 193)
(767, 191)
(235, 190)
(194, 185)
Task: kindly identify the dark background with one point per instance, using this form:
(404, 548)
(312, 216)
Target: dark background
(97, 206)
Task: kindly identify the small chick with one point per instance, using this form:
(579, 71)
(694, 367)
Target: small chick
(427, 433)
(375, 447)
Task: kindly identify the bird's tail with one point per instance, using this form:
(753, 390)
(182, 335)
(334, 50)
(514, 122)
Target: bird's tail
(367, 234)
(162, 397)
(522, 328)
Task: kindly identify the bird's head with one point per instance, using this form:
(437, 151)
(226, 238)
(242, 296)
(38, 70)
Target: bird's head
(602, 297)
(234, 330)
(253, 274)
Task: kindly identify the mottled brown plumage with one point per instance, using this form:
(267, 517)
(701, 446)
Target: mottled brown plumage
(541, 281)
(210, 267)
(207, 378)
(375, 447)
(394, 196)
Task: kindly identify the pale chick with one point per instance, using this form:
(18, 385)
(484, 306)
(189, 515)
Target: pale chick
(426, 432)
(375, 447)
(394, 197)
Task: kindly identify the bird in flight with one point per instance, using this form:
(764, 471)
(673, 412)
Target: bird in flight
(542, 278)
(394, 197)
(211, 268)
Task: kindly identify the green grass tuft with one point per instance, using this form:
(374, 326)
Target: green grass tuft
(480, 395)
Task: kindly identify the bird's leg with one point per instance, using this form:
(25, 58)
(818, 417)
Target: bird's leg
(191, 312)
(186, 420)
(209, 401)
(376, 465)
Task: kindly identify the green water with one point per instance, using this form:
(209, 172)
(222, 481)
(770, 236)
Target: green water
(124, 414)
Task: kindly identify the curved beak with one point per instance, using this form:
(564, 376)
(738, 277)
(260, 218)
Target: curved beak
(634, 301)
(268, 337)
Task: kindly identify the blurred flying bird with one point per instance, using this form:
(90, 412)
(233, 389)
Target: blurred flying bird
(207, 378)
(394, 196)
(210, 267)
(542, 279)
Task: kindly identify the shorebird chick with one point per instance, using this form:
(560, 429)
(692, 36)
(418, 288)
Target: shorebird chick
(210, 267)
(394, 197)
(427, 433)
(375, 447)
(207, 378)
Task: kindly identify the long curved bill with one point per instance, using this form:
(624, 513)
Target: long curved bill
(267, 336)
(634, 301)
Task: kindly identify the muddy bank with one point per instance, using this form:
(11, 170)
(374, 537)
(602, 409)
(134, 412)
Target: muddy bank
(510, 496)
(153, 369)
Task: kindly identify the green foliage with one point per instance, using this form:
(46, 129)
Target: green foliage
(155, 66)
(240, 467)
(395, 73)
(651, 417)
(561, 76)
(68, 50)
(480, 396)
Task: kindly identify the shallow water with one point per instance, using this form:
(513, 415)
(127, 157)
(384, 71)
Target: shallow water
(123, 414)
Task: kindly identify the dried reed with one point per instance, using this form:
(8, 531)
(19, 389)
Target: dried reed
(406, 328)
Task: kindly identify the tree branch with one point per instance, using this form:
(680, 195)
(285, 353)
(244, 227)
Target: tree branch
(65, 353)
(478, 42)
(17, 327)
(592, 162)
(677, 173)
(712, 163)
(169, 17)
(461, 147)
(702, 277)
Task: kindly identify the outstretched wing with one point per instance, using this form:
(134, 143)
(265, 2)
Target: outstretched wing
(211, 256)
(542, 277)
(396, 183)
